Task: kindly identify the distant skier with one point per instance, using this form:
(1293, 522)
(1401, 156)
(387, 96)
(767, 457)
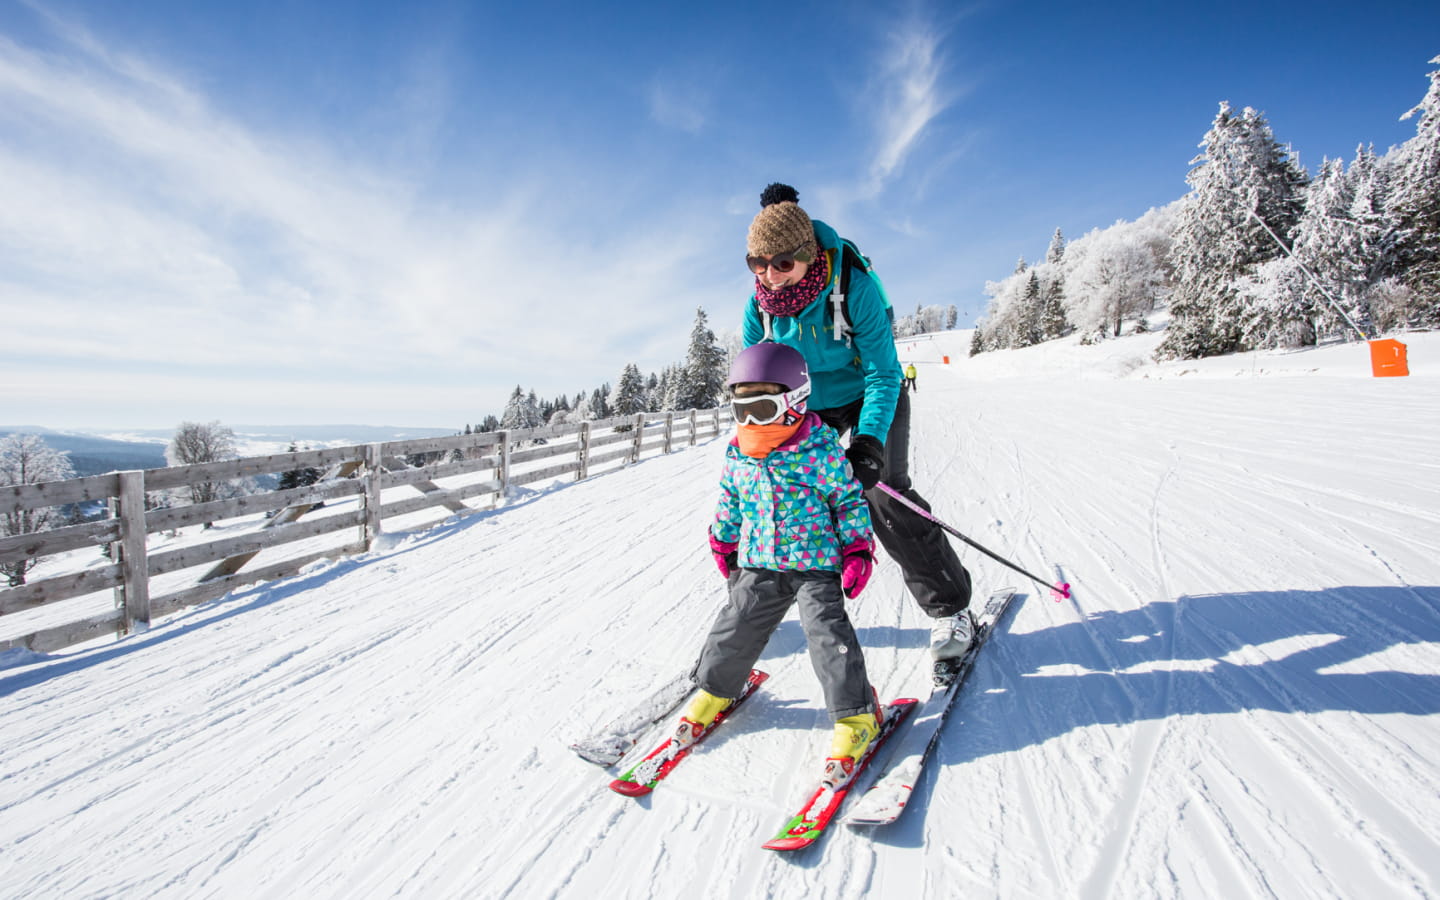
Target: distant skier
(791, 526)
(910, 376)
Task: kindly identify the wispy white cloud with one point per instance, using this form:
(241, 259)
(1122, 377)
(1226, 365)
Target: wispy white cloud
(911, 92)
(909, 86)
(677, 103)
(173, 233)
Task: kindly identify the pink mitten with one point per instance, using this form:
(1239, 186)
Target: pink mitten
(855, 566)
(726, 554)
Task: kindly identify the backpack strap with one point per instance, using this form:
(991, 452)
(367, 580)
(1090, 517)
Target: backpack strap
(850, 257)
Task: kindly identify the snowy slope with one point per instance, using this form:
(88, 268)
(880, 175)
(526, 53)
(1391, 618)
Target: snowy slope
(1241, 700)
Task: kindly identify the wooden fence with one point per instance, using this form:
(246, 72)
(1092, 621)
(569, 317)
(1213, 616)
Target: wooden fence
(362, 487)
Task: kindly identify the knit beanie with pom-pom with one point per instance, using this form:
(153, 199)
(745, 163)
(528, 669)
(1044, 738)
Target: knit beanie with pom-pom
(781, 226)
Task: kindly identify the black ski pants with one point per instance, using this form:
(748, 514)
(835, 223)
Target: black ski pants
(933, 572)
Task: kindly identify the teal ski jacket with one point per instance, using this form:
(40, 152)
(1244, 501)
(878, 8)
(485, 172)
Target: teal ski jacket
(844, 371)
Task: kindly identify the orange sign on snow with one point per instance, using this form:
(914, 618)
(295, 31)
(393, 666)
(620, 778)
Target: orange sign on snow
(1387, 358)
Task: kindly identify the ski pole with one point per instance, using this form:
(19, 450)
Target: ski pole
(1059, 590)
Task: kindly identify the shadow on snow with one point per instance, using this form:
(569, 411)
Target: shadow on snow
(1199, 655)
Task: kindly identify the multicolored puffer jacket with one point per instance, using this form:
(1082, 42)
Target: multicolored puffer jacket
(795, 508)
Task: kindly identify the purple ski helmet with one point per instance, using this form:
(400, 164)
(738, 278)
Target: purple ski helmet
(776, 363)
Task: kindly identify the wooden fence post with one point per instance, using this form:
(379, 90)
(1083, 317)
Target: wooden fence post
(134, 565)
(692, 427)
(584, 449)
(374, 475)
(669, 430)
(715, 419)
(503, 474)
(114, 550)
(639, 437)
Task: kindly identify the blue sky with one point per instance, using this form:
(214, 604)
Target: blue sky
(320, 212)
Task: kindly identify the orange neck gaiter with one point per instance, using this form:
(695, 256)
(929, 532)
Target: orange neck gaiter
(759, 440)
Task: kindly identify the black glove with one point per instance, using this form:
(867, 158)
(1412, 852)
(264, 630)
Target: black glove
(867, 459)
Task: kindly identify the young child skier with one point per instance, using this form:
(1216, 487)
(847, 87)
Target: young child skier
(791, 527)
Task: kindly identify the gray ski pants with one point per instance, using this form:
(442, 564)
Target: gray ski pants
(759, 600)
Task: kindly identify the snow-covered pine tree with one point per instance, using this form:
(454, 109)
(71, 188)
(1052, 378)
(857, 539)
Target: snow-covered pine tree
(521, 412)
(662, 394)
(1053, 321)
(1056, 251)
(580, 410)
(304, 476)
(559, 411)
(702, 383)
(629, 396)
(977, 340)
(1415, 205)
(1369, 186)
(1330, 245)
(681, 387)
(1291, 298)
(600, 402)
(1003, 320)
(1028, 332)
(1244, 186)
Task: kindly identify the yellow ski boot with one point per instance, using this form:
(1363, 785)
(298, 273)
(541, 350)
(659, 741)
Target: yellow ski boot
(698, 716)
(853, 735)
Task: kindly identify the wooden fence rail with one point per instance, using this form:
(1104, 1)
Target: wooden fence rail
(121, 594)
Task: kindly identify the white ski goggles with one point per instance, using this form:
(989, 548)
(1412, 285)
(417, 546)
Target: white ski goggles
(763, 409)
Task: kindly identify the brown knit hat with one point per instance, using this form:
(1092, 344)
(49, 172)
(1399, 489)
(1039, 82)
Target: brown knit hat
(782, 226)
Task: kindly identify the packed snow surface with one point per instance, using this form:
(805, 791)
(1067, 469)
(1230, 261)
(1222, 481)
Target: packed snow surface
(1241, 700)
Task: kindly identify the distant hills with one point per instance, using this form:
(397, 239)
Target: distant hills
(92, 455)
(101, 450)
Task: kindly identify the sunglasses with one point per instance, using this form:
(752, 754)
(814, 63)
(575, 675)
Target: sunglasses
(780, 262)
(763, 409)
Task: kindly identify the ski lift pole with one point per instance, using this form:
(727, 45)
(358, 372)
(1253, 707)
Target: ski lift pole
(1254, 211)
(1059, 590)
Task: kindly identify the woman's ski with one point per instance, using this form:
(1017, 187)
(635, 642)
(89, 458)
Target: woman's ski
(886, 799)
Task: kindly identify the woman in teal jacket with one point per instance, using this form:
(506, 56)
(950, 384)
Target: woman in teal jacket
(800, 265)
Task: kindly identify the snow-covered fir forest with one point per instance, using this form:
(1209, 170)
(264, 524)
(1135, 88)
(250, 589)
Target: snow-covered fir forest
(1259, 254)
(695, 383)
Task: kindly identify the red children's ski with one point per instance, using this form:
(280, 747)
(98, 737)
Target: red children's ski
(641, 778)
(807, 825)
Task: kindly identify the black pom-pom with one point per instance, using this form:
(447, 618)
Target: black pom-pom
(778, 193)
